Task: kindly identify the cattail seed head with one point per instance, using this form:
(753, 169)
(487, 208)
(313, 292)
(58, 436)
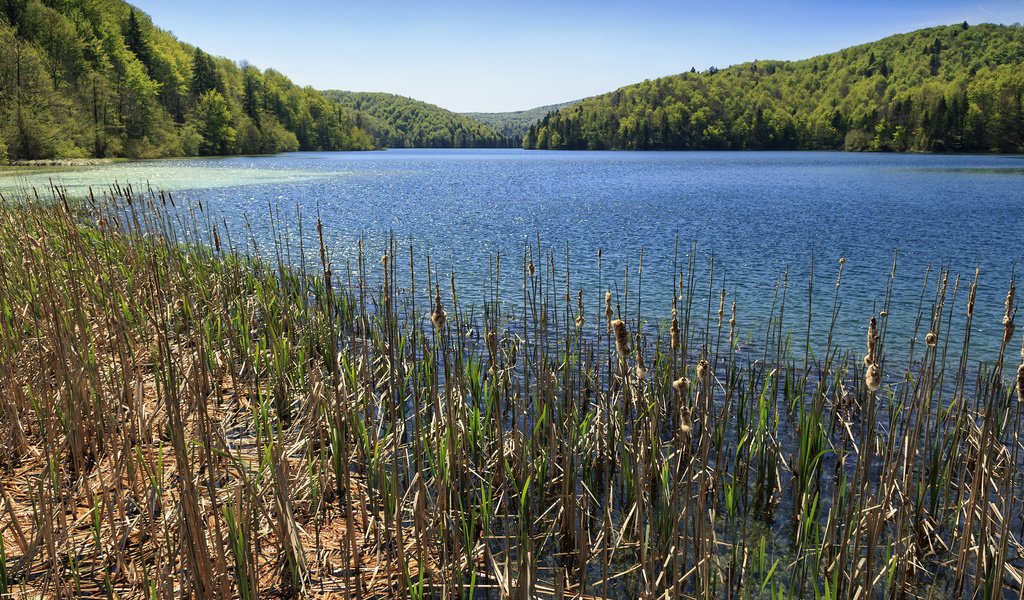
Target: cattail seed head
(621, 337)
(580, 322)
(681, 386)
(873, 377)
(492, 348)
(1020, 382)
(438, 317)
(702, 369)
(931, 339)
(674, 331)
(685, 423)
(641, 366)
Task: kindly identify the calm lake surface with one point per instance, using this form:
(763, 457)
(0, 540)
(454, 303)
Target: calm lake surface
(757, 213)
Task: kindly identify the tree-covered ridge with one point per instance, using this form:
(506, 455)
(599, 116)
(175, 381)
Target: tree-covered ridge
(400, 122)
(83, 78)
(514, 125)
(950, 88)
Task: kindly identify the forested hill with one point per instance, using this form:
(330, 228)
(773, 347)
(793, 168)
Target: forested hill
(514, 125)
(82, 78)
(400, 122)
(953, 88)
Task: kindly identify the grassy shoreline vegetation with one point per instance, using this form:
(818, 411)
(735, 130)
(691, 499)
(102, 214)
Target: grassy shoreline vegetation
(189, 418)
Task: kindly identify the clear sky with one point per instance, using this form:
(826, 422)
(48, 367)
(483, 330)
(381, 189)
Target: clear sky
(502, 56)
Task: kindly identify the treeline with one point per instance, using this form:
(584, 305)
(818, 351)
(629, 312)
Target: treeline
(514, 125)
(399, 122)
(954, 88)
(96, 78)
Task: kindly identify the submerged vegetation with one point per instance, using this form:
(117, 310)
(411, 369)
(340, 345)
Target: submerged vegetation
(188, 418)
(957, 88)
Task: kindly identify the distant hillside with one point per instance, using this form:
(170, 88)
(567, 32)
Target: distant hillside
(954, 88)
(98, 78)
(400, 122)
(514, 125)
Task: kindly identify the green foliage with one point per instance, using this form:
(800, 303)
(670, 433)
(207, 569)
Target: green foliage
(214, 124)
(97, 78)
(514, 125)
(400, 122)
(954, 88)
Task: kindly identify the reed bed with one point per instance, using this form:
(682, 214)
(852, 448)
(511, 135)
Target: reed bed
(185, 417)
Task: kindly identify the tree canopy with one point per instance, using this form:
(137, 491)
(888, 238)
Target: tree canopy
(400, 122)
(97, 78)
(952, 88)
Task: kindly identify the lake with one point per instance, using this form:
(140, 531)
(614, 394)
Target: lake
(757, 213)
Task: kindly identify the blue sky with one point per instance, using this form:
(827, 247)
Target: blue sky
(491, 56)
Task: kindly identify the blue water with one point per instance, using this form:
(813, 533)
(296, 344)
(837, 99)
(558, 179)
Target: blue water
(757, 213)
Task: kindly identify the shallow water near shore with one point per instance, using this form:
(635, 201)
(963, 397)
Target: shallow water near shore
(757, 213)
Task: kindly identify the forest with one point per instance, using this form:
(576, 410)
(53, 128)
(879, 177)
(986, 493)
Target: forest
(96, 78)
(514, 125)
(399, 122)
(954, 88)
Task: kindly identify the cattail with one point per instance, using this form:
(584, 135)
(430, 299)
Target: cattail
(580, 321)
(974, 292)
(1008, 326)
(438, 317)
(1020, 382)
(533, 269)
(931, 339)
(641, 366)
(872, 340)
(884, 314)
(702, 369)
(732, 323)
(839, 278)
(873, 377)
(685, 423)
(681, 386)
(492, 348)
(608, 309)
(621, 338)
(674, 331)
(721, 308)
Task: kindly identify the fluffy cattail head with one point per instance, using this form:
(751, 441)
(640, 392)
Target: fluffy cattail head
(621, 337)
(1020, 382)
(702, 369)
(931, 339)
(873, 377)
(608, 305)
(685, 423)
(438, 317)
(681, 386)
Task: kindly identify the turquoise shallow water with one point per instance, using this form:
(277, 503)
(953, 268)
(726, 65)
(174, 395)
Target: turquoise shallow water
(757, 213)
